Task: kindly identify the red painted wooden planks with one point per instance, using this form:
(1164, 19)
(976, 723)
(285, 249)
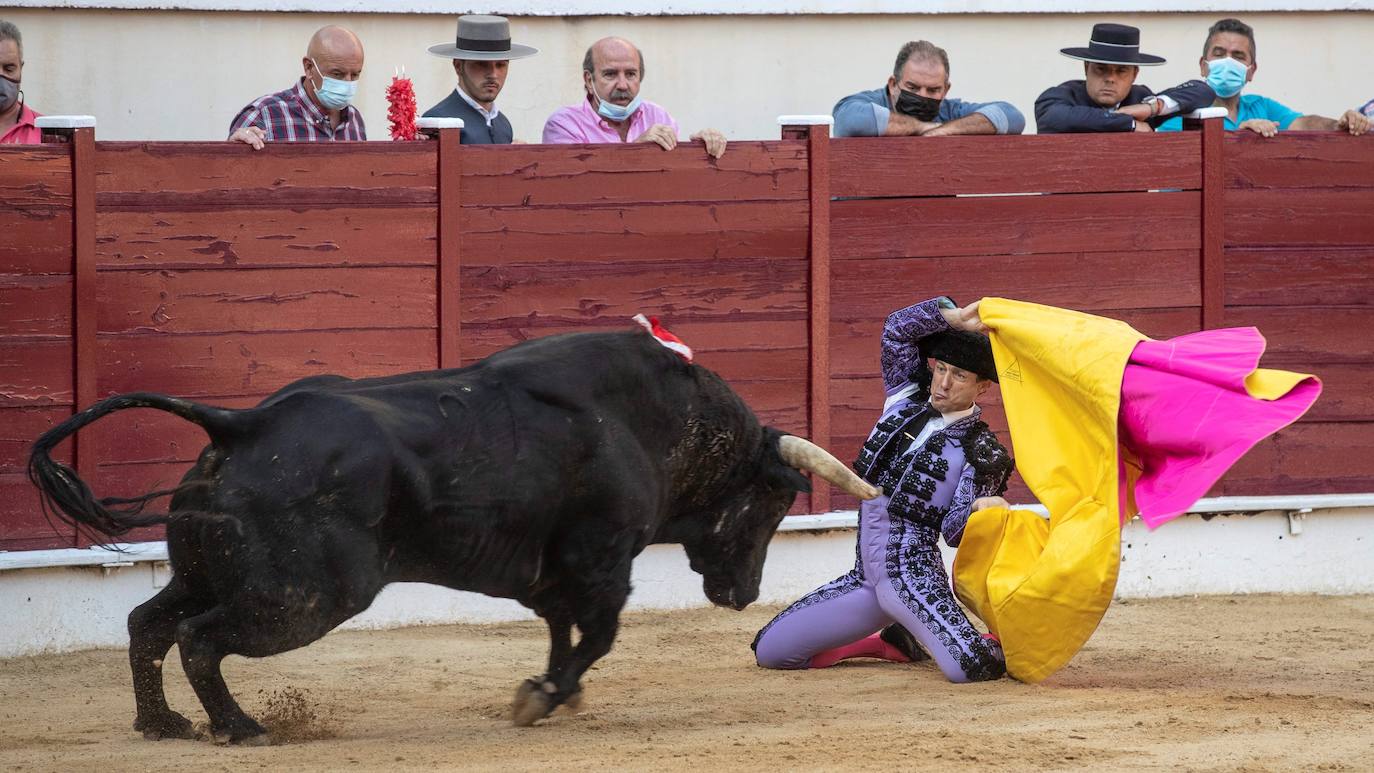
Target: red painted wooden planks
(19, 427)
(265, 300)
(1213, 226)
(144, 436)
(568, 293)
(33, 175)
(1278, 217)
(1301, 160)
(22, 524)
(35, 372)
(186, 175)
(236, 364)
(1015, 225)
(632, 174)
(38, 305)
(1085, 281)
(1307, 458)
(1346, 395)
(1298, 276)
(228, 238)
(1300, 338)
(1081, 163)
(650, 232)
(36, 240)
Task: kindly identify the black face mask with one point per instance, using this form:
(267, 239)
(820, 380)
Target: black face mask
(918, 107)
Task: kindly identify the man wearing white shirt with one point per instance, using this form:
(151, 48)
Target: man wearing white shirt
(481, 58)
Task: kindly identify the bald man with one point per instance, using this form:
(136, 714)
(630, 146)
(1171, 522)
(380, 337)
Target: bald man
(612, 110)
(319, 107)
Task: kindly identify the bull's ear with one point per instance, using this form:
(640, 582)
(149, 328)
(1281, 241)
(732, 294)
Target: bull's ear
(788, 477)
(781, 473)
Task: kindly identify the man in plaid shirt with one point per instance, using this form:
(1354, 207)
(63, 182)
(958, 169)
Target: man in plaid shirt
(317, 108)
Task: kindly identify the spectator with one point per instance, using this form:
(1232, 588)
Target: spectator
(613, 111)
(318, 108)
(916, 102)
(1228, 63)
(16, 118)
(481, 57)
(1108, 99)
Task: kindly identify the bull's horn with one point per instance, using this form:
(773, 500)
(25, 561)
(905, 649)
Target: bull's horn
(805, 455)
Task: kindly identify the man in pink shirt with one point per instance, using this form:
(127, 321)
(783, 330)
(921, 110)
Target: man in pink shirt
(613, 111)
(16, 119)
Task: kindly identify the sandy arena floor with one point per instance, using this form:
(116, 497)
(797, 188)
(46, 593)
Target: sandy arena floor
(1248, 683)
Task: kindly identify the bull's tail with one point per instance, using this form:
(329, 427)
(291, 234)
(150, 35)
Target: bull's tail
(66, 496)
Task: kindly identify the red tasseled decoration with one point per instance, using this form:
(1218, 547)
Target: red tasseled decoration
(400, 96)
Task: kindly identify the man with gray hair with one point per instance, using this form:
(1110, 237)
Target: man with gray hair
(916, 102)
(16, 119)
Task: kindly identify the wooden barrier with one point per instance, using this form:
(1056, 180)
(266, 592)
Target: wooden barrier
(213, 272)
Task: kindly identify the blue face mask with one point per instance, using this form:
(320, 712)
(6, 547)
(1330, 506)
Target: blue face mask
(617, 113)
(1226, 76)
(333, 93)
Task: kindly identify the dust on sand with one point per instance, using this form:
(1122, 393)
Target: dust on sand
(1246, 683)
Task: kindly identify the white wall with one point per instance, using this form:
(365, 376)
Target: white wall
(71, 608)
(182, 75)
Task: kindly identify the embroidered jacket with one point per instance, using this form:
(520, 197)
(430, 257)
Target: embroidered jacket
(933, 484)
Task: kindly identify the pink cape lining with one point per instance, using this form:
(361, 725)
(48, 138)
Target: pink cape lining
(1187, 416)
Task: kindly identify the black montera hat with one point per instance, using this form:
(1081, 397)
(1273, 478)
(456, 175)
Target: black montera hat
(962, 349)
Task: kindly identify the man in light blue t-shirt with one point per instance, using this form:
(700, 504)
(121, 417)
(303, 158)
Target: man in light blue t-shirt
(1228, 63)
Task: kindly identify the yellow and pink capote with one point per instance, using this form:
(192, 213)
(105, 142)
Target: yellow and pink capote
(1106, 424)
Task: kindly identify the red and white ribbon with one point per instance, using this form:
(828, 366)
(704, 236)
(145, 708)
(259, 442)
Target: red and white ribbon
(662, 335)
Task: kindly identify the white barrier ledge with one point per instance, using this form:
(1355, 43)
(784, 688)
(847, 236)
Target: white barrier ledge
(439, 123)
(65, 122)
(145, 552)
(127, 555)
(806, 120)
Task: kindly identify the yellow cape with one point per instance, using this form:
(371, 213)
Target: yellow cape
(1043, 586)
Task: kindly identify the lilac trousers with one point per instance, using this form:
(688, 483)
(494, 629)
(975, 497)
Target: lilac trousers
(898, 576)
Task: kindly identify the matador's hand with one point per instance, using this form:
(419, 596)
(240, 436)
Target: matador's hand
(967, 318)
(983, 503)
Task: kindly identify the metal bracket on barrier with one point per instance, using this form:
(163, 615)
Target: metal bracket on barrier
(1204, 113)
(1296, 518)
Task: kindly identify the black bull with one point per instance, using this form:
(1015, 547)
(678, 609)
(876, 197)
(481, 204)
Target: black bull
(537, 474)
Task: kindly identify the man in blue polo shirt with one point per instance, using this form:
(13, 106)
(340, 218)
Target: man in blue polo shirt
(1228, 63)
(915, 102)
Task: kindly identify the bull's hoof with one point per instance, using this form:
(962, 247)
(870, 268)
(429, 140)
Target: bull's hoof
(574, 703)
(169, 725)
(533, 702)
(242, 733)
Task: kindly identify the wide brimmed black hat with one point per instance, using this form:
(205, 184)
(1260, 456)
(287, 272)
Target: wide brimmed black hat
(1113, 44)
(962, 349)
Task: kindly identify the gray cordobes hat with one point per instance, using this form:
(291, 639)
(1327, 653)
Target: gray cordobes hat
(483, 38)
